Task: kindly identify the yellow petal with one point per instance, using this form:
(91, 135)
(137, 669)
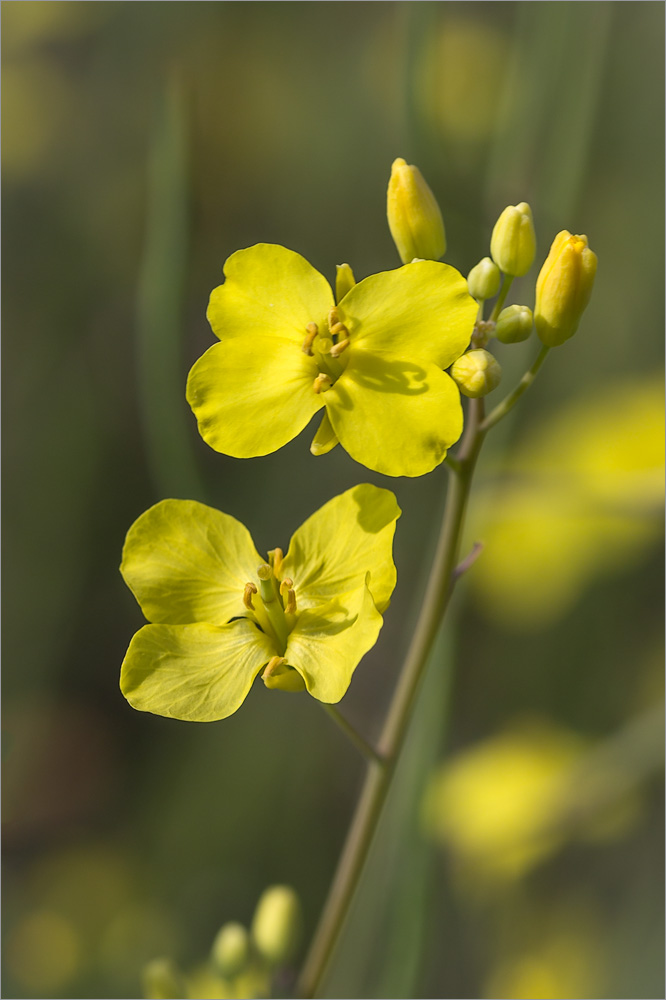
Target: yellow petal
(419, 312)
(349, 537)
(395, 417)
(197, 673)
(186, 562)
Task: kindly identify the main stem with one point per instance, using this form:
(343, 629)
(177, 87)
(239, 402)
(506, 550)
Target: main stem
(380, 773)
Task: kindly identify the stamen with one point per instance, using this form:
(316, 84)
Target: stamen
(275, 557)
(273, 664)
(322, 383)
(333, 318)
(286, 584)
(250, 589)
(339, 329)
(290, 608)
(338, 348)
(311, 332)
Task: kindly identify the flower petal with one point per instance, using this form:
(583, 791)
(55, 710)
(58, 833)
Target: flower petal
(251, 396)
(419, 312)
(328, 642)
(346, 539)
(392, 416)
(186, 562)
(198, 673)
(269, 290)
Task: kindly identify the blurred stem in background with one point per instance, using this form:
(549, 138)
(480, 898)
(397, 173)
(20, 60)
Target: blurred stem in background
(160, 303)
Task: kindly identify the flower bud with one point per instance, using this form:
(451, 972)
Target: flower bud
(476, 373)
(231, 950)
(161, 980)
(344, 281)
(513, 242)
(563, 288)
(276, 925)
(483, 280)
(414, 217)
(514, 324)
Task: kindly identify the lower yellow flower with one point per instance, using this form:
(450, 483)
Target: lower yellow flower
(373, 362)
(221, 613)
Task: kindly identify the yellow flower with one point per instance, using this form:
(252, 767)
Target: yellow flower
(414, 217)
(563, 288)
(373, 362)
(513, 242)
(221, 613)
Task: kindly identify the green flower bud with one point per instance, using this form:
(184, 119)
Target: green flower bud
(161, 980)
(344, 281)
(513, 242)
(514, 324)
(563, 288)
(414, 217)
(276, 925)
(483, 280)
(231, 950)
(476, 373)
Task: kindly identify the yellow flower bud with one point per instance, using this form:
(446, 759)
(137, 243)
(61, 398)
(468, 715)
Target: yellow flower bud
(514, 324)
(513, 242)
(161, 980)
(563, 288)
(414, 217)
(231, 950)
(483, 280)
(276, 925)
(476, 373)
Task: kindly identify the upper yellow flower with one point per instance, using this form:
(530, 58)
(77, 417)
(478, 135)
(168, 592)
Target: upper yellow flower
(414, 217)
(374, 361)
(221, 613)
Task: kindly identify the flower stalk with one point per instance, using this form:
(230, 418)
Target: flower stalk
(379, 775)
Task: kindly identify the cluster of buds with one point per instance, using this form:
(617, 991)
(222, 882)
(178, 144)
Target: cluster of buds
(242, 962)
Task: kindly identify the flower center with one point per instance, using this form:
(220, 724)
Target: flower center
(328, 348)
(273, 601)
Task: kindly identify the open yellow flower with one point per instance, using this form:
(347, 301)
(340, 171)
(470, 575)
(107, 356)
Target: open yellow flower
(374, 361)
(221, 613)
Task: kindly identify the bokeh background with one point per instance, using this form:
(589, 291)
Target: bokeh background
(521, 852)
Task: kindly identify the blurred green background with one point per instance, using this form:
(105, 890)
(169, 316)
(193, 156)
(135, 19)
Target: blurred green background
(521, 852)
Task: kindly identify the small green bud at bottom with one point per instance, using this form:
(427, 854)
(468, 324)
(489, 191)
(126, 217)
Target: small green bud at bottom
(231, 950)
(161, 980)
(276, 925)
(476, 373)
(514, 324)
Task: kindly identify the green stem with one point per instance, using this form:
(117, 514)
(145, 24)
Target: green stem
(501, 298)
(359, 742)
(378, 778)
(510, 401)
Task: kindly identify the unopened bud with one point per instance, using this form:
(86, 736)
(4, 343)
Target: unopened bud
(231, 950)
(276, 925)
(414, 217)
(483, 280)
(476, 373)
(513, 242)
(344, 281)
(514, 324)
(161, 980)
(563, 288)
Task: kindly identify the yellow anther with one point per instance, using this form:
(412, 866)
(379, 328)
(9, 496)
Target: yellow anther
(250, 589)
(339, 330)
(275, 557)
(333, 318)
(311, 332)
(322, 383)
(273, 664)
(338, 348)
(290, 608)
(286, 584)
